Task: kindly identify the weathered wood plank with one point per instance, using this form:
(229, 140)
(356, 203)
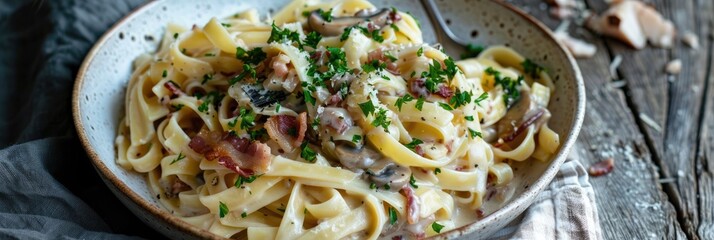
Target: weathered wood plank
(705, 158)
(630, 201)
(674, 105)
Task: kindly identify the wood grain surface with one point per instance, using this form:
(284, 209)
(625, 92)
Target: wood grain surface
(662, 186)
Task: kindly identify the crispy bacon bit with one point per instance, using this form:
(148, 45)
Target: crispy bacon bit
(412, 204)
(287, 131)
(394, 16)
(334, 99)
(174, 187)
(237, 154)
(399, 237)
(280, 65)
(445, 91)
(521, 128)
(175, 90)
(419, 150)
(601, 168)
(380, 56)
(479, 213)
(417, 86)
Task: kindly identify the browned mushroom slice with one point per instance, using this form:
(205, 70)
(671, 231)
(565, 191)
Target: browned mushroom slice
(519, 117)
(387, 173)
(338, 24)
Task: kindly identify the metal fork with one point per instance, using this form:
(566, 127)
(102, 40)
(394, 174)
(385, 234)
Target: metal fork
(453, 45)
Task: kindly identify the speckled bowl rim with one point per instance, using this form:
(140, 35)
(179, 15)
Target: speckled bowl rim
(524, 198)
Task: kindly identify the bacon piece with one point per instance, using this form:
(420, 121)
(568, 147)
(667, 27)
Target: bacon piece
(174, 187)
(380, 56)
(237, 154)
(445, 91)
(287, 131)
(394, 16)
(334, 99)
(601, 168)
(417, 86)
(280, 65)
(419, 150)
(175, 90)
(412, 204)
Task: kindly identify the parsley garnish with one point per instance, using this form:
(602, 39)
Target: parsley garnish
(380, 120)
(374, 65)
(227, 25)
(207, 77)
(510, 86)
(390, 56)
(472, 51)
(392, 216)
(386, 78)
(325, 15)
(367, 108)
(164, 74)
(307, 153)
(277, 107)
(209, 55)
(437, 171)
(283, 36)
(254, 56)
(469, 118)
(247, 118)
(247, 70)
(531, 68)
(437, 227)
(239, 182)
(356, 138)
(315, 123)
(305, 13)
(175, 35)
(213, 97)
(413, 144)
(474, 133)
(460, 98)
(177, 106)
(257, 134)
(307, 94)
(420, 52)
(420, 103)
(244, 215)
(312, 39)
(386, 186)
(374, 34)
(232, 124)
(480, 98)
(412, 181)
(404, 99)
(445, 106)
(223, 209)
(372, 186)
(179, 158)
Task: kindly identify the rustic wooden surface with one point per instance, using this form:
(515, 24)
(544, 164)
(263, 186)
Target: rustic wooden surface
(663, 185)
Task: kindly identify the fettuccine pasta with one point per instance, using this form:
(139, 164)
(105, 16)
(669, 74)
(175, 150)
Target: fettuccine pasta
(329, 120)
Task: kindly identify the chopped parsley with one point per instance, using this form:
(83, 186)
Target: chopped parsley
(212, 97)
(175, 35)
(392, 216)
(393, 26)
(380, 120)
(367, 107)
(460, 98)
(386, 78)
(437, 171)
(404, 99)
(307, 95)
(277, 107)
(305, 13)
(164, 74)
(315, 123)
(469, 118)
(226, 25)
(531, 68)
(374, 34)
(177, 106)
(420, 52)
(222, 209)
(510, 86)
(412, 181)
(374, 65)
(390, 56)
(247, 70)
(480, 98)
(325, 15)
(312, 39)
(356, 138)
(257, 134)
(179, 158)
(254, 56)
(474, 133)
(445, 106)
(241, 180)
(435, 75)
(209, 55)
(207, 77)
(472, 51)
(232, 124)
(386, 186)
(307, 153)
(437, 227)
(244, 215)
(284, 36)
(247, 118)
(413, 144)
(420, 103)
(372, 186)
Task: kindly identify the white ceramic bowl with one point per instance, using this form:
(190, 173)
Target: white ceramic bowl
(101, 82)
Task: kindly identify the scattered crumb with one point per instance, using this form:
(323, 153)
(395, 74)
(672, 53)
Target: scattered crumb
(601, 168)
(674, 66)
(616, 61)
(691, 40)
(577, 47)
(651, 122)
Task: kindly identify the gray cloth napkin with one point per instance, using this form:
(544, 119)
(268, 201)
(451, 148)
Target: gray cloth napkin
(565, 210)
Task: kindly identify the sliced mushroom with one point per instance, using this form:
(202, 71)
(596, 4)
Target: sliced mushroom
(519, 117)
(338, 24)
(389, 173)
(356, 158)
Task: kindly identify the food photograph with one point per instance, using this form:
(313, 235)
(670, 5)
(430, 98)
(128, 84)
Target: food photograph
(357, 119)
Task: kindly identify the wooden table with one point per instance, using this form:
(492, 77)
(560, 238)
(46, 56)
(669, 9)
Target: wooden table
(662, 185)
